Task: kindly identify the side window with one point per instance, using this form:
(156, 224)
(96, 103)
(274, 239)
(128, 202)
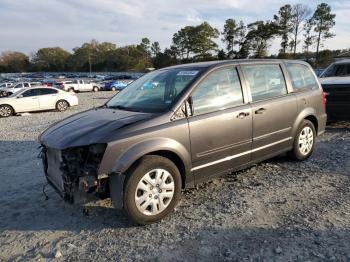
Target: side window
(220, 90)
(47, 91)
(301, 76)
(342, 70)
(31, 92)
(25, 84)
(265, 81)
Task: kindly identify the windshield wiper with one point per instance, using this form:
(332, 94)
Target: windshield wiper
(119, 107)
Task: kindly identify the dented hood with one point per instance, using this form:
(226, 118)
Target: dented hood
(90, 127)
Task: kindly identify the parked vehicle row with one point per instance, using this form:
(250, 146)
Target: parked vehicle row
(335, 82)
(179, 126)
(37, 99)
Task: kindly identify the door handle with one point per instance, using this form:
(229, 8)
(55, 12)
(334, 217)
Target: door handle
(260, 111)
(242, 115)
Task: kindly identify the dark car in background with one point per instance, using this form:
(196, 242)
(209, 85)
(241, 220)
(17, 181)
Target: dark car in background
(179, 126)
(335, 82)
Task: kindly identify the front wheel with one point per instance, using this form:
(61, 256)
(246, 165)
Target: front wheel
(152, 189)
(95, 89)
(304, 141)
(114, 89)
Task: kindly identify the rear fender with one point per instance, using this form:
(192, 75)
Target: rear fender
(302, 115)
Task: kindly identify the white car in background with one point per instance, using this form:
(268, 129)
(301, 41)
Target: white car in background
(5, 85)
(17, 87)
(81, 86)
(37, 99)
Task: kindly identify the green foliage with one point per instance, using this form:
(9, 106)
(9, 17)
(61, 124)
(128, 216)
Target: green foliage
(323, 21)
(51, 59)
(284, 25)
(258, 37)
(195, 41)
(13, 62)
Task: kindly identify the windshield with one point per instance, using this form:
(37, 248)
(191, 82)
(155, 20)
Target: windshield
(154, 92)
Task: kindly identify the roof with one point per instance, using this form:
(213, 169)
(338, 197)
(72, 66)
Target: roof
(235, 61)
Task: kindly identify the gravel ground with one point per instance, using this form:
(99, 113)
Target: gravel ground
(279, 210)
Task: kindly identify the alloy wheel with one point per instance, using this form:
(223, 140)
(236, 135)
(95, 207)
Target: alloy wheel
(306, 140)
(5, 111)
(62, 105)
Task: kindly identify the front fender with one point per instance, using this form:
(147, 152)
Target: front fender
(149, 146)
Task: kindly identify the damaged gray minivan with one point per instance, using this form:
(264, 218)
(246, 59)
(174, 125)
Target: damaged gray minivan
(178, 126)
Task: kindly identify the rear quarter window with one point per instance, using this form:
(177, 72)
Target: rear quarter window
(301, 76)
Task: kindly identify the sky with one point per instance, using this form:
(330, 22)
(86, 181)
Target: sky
(27, 25)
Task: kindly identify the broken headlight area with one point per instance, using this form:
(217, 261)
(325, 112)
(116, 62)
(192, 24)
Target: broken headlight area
(73, 171)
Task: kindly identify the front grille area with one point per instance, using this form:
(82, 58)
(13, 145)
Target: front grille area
(66, 168)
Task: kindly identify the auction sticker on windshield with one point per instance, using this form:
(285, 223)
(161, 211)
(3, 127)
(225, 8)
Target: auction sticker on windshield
(187, 73)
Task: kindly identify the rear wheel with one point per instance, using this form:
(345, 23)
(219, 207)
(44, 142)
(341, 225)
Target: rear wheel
(62, 105)
(304, 141)
(6, 111)
(152, 189)
(114, 89)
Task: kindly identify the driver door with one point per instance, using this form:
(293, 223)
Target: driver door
(221, 125)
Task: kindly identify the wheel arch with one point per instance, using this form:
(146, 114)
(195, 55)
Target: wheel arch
(13, 109)
(164, 147)
(308, 114)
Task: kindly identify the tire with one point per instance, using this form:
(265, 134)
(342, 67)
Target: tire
(62, 105)
(95, 89)
(6, 111)
(304, 141)
(151, 194)
(71, 89)
(114, 89)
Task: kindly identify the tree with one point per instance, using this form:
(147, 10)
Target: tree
(195, 41)
(182, 42)
(241, 41)
(230, 33)
(300, 13)
(284, 23)
(14, 62)
(51, 59)
(222, 55)
(155, 48)
(323, 20)
(309, 38)
(202, 40)
(258, 37)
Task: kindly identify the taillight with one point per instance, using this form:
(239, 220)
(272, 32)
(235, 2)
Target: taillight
(325, 94)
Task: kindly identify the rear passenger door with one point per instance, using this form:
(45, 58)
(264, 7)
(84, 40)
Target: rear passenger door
(48, 98)
(221, 124)
(274, 109)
